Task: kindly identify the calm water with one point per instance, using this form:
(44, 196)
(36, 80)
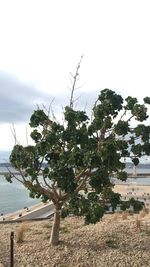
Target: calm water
(139, 181)
(15, 196)
(145, 181)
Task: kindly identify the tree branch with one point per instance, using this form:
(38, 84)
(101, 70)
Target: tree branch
(80, 186)
(75, 77)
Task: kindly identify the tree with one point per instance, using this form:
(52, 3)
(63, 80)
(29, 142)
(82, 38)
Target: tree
(77, 159)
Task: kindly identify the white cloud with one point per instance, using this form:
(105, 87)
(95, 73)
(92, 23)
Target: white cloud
(42, 41)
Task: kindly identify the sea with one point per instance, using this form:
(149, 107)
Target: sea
(15, 196)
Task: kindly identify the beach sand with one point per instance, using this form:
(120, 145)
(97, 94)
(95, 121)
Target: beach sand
(138, 192)
(126, 188)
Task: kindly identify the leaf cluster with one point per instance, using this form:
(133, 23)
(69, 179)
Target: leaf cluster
(72, 163)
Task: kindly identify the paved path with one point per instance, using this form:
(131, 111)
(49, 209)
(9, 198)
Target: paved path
(37, 211)
(42, 212)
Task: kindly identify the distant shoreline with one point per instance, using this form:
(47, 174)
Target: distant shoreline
(130, 175)
(38, 210)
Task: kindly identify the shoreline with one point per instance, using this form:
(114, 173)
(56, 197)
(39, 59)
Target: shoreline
(22, 213)
(126, 190)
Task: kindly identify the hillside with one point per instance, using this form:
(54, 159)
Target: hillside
(117, 241)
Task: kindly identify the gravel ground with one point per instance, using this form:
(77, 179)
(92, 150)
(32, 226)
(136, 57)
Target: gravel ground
(119, 240)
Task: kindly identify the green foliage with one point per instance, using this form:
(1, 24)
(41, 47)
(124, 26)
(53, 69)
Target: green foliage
(146, 148)
(89, 206)
(38, 118)
(36, 136)
(110, 102)
(122, 176)
(140, 112)
(137, 150)
(143, 131)
(72, 163)
(135, 161)
(8, 177)
(108, 196)
(147, 100)
(131, 101)
(94, 214)
(136, 204)
(99, 179)
(122, 128)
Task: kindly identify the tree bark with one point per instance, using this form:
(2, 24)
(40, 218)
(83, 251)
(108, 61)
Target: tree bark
(54, 238)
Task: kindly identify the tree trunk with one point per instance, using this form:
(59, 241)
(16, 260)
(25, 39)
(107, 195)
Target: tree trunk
(54, 238)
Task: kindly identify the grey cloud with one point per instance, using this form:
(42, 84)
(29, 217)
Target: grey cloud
(83, 99)
(18, 100)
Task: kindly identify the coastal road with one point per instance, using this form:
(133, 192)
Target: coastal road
(42, 212)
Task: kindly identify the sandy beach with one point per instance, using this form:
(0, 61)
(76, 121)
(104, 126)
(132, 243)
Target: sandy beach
(126, 188)
(138, 192)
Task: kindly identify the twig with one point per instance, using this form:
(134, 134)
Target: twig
(75, 78)
(13, 131)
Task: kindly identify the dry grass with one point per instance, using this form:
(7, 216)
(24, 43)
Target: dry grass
(125, 215)
(116, 216)
(142, 214)
(146, 229)
(108, 243)
(21, 232)
(138, 223)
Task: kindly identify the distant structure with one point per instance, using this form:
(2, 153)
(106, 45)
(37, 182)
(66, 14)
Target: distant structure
(134, 171)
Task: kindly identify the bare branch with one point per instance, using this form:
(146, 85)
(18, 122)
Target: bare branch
(14, 176)
(44, 178)
(81, 174)
(75, 79)
(124, 113)
(49, 109)
(83, 181)
(13, 131)
(27, 135)
(132, 116)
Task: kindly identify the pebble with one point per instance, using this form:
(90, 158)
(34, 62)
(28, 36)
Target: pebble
(108, 243)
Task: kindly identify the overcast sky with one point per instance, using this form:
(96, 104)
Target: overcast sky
(41, 42)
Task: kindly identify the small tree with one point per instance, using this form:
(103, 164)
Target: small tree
(71, 164)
